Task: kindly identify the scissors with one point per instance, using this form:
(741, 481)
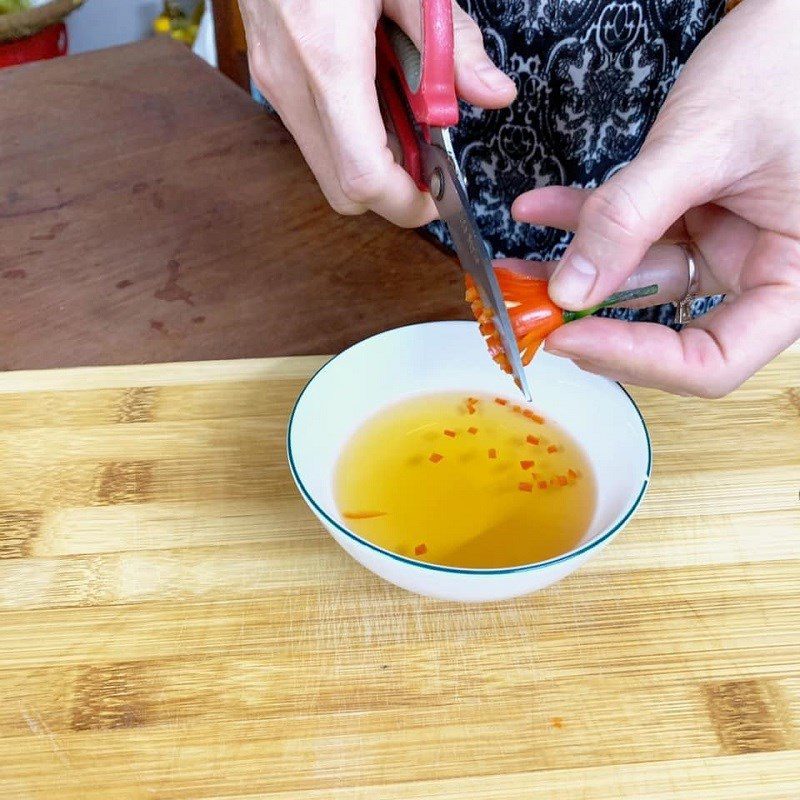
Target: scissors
(418, 99)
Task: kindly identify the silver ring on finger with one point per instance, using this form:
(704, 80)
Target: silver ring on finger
(683, 307)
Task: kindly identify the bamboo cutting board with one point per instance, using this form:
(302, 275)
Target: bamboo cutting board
(175, 624)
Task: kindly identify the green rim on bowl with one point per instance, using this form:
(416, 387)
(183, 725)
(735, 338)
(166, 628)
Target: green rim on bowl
(597, 540)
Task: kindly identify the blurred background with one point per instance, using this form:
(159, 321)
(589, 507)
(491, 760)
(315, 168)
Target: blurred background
(31, 30)
(105, 23)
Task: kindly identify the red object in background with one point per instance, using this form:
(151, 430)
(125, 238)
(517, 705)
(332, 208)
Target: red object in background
(50, 42)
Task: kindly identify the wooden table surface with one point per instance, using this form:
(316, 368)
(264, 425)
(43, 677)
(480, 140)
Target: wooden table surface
(174, 623)
(150, 211)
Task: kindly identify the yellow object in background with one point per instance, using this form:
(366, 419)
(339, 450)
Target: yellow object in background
(12, 6)
(175, 23)
(161, 24)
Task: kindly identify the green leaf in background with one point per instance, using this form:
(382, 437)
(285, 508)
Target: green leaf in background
(10, 6)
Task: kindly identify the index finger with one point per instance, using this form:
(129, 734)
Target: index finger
(346, 99)
(560, 207)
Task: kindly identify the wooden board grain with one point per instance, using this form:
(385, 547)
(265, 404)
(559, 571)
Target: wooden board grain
(175, 624)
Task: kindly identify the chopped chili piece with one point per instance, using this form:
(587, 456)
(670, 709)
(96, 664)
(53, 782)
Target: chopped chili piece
(542, 484)
(451, 434)
(551, 448)
(473, 431)
(500, 401)
(562, 480)
(492, 453)
(526, 464)
(531, 440)
(470, 409)
(533, 417)
(525, 487)
(572, 474)
(473, 401)
(363, 514)
(420, 550)
(435, 457)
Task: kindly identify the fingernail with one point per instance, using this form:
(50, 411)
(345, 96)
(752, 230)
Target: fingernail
(572, 281)
(493, 78)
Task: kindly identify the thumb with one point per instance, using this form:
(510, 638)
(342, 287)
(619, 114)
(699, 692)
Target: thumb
(622, 219)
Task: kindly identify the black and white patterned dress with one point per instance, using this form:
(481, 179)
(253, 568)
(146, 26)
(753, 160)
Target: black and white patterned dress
(591, 77)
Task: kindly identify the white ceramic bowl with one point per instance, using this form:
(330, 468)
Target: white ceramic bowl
(451, 356)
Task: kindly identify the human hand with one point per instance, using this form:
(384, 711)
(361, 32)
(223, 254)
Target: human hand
(314, 60)
(720, 168)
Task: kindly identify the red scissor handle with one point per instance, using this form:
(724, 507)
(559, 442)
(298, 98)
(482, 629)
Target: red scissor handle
(418, 88)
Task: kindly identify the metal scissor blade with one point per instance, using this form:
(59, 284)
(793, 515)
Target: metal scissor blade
(452, 203)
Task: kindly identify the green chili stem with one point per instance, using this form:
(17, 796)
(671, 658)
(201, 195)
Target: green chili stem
(620, 297)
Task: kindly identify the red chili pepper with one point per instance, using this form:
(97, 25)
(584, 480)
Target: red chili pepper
(562, 480)
(572, 474)
(534, 316)
(551, 448)
(492, 453)
(542, 484)
(473, 431)
(525, 487)
(451, 434)
(363, 514)
(420, 550)
(531, 440)
(435, 457)
(500, 401)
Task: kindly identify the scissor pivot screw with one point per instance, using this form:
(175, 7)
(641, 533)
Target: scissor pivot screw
(437, 184)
